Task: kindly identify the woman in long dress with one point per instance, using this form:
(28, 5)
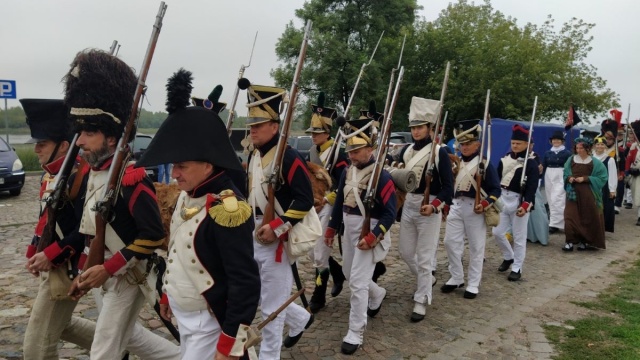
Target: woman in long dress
(538, 226)
(584, 176)
(610, 187)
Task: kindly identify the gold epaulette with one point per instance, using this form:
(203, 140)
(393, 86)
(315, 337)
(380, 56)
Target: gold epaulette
(229, 211)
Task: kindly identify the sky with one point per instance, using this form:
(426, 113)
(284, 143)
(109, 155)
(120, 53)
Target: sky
(212, 39)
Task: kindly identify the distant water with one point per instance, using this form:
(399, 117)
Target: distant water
(16, 139)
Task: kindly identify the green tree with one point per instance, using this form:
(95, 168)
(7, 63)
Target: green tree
(344, 34)
(486, 48)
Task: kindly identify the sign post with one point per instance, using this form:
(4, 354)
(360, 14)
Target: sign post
(7, 91)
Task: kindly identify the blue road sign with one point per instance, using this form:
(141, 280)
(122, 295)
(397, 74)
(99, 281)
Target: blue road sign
(7, 89)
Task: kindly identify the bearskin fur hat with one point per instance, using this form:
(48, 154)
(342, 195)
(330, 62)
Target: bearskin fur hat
(99, 90)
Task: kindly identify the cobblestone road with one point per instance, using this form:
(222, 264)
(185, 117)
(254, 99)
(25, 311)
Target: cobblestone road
(504, 321)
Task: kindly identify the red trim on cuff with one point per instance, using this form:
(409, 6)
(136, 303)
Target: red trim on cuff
(164, 300)
(114, 264)
(31, 250)
(525, 205)
(370, 239)
(276, 223)
(52, 251)
(225, 344)
(485, 204)
(330, 233)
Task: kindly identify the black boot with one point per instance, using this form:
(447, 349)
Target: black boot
(378, 271)
(338, 277)
(319, 293)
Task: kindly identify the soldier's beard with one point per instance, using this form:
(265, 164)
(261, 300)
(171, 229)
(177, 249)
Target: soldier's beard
(97, 157)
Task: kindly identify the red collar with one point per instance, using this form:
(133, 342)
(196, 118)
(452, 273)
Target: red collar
(105, 165)
(54, 167)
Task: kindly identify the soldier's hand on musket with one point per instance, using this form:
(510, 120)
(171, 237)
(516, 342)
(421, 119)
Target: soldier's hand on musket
(266, 234)
(478, 209)
(74, 291)
(427, 210)
(165, 311)
(329, 234)
(39, 262)
(368, 242)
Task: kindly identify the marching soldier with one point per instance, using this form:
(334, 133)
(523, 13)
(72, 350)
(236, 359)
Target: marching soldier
(212, 283)
(360, 255)
(99, 90)
(293, 200)
(466, 218)
(55, 263)
(325, 264)
(420, 225)
(518, 201)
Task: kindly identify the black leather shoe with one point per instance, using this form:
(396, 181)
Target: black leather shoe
(336, 289)
(415, 317)
(291, 341)
(553, 230)
(505, 265)
(567, 247)
(348, 349)
(469, 295)
(514, 276)
(628, 206)
(373, 312)
(638, 222)
(449, 288)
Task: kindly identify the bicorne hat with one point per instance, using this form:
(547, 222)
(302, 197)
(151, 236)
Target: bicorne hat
(212, 101)
(190, 133)
(48, 119)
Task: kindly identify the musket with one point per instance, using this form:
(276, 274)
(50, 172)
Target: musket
(481, 163)
(273, 181)
(391, 82)
(443, 127)
(232, 110)
(369, 198)
(523, 177)
(626, 131)
(254, 338)
(104, 207)
(113, 50)
(334, 149)
(432, 158)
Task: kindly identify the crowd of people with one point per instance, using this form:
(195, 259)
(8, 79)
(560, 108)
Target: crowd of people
(232, 243)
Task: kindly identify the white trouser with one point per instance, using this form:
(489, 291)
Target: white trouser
(276, 279)
(463, 221)
(358, 266)
(418, 244)
(627, 195)
(518, 227)
(199, 332)
(555, 194)
(121, 304)
(320, 253)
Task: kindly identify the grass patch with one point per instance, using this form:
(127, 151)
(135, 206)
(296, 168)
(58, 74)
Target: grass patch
(613, 332)
(28, 157)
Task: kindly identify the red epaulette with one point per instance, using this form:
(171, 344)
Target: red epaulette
(133, 175)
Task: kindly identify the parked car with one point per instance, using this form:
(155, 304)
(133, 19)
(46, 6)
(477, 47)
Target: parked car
(301, 143)
(11, 170)
(138, 146)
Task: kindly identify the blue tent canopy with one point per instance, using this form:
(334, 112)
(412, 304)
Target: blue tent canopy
(501, 136)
